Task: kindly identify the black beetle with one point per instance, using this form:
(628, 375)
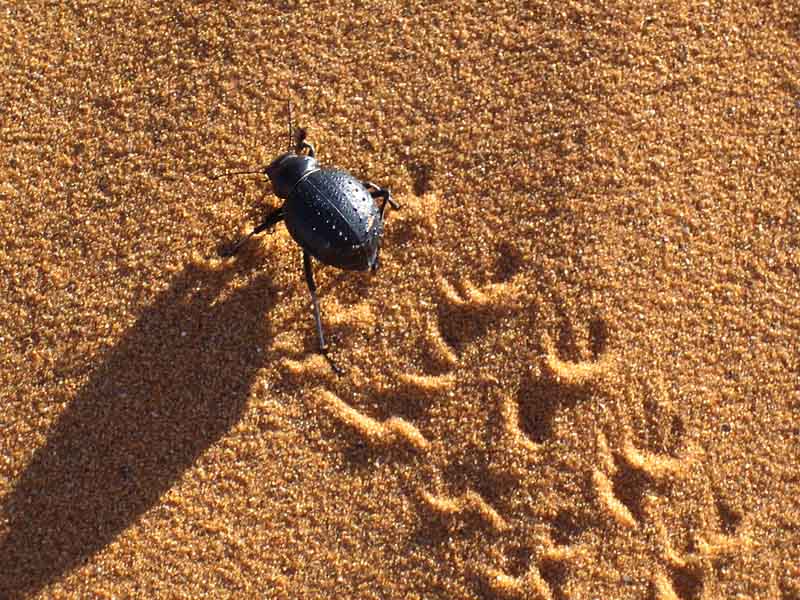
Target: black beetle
(329, 213)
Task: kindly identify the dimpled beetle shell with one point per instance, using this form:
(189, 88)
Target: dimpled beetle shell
(328, 212)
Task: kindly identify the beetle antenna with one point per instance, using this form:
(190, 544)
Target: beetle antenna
(260, 171)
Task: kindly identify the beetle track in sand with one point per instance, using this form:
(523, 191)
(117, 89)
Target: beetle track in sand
(438, 347)
(359, 316)
(468, 502)
(635, 514)
(682, 575)
(655, 466)
(436, 385)
(696, 570)
(513, 434)
(393, 431)
(575, 373)
(565, 374)
(495, 297)
(530, 584)
(421, 211)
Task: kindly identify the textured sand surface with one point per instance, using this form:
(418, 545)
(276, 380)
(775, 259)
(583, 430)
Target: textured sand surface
(575, 375)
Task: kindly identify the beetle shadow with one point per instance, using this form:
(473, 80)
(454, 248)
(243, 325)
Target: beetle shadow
(175, 383)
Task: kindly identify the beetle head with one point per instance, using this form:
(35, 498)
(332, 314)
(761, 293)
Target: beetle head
(287, 170)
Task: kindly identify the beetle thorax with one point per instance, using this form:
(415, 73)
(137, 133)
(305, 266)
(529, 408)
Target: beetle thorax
(286, 171)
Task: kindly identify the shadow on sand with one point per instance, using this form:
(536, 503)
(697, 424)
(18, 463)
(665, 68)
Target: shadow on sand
(175, 383)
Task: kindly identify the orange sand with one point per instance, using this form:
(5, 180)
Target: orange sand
(576, 374)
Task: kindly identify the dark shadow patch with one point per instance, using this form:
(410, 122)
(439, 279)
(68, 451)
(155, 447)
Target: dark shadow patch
(554, 572)
(539, 401)
(461, 326)
(566, 528)
(360, 457)
(509, 262)
(421, 177)
(730, 518)
(175, 383)
(567, 345)
(677, 432)
(722, 567)
(435, 363)
(687, 582)
(629, 485)
(432, 533)
(555, 188)
(518, 561)
(598, 337)
(471, 469)
(404, 401)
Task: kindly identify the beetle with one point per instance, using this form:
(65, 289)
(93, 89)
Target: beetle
(332, 215)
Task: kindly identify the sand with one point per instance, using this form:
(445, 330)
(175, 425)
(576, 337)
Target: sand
(575, 375)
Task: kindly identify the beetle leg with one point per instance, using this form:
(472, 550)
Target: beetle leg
(271, 219)
(379, 192)
(377, 262)
(313, 289)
